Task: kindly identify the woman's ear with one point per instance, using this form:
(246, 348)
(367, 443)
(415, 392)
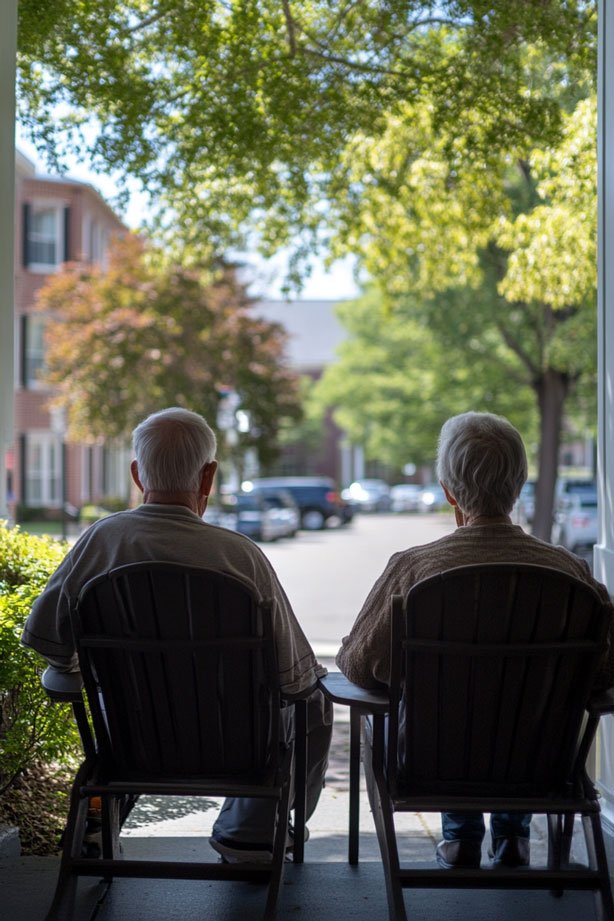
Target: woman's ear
(448, 495)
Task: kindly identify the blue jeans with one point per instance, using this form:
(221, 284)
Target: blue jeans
(470, 825)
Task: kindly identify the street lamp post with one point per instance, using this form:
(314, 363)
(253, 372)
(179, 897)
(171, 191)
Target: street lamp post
(58, 427)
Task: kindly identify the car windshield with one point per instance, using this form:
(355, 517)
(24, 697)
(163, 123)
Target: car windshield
(247, 504)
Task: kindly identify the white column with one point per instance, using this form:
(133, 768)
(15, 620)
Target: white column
(604, 550)
(8, 53)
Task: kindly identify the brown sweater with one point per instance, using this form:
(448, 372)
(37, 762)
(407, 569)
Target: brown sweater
(364, 656)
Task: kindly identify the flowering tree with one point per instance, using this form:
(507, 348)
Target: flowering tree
(141, 335)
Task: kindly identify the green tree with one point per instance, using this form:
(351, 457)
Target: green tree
(139, 335)
(401, 130)
(396, 382)
(237, 113)
(499, 251)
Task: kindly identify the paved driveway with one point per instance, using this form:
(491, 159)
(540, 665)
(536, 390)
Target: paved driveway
(328, 574)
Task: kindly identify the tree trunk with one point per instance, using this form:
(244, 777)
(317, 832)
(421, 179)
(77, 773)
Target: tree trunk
(551, 388)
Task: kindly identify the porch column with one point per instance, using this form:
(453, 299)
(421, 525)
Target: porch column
(604, 550)
(8, 53)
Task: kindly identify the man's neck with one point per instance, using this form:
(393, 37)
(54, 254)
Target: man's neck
(160, 497)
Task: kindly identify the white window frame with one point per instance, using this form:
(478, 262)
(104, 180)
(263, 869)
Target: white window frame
(32, 381)
(49, 472)
(36, 206)
(117, 465)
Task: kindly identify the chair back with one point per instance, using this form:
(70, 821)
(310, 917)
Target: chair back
(180, 671)
(491, 668)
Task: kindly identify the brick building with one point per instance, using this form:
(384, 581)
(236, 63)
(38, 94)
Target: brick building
(57, 220)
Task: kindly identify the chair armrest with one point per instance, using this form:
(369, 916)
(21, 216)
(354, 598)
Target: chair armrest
(341, 690)
(300, 695)
(66, 686)
(601, 702)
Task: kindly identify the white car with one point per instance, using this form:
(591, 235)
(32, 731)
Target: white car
(368, 495)
(433, 499)
(405, 497)
(575, 525)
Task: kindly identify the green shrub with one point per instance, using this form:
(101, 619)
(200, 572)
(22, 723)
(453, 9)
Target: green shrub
(33, 731)
(91, 513)
(24, 513)
(114, 503)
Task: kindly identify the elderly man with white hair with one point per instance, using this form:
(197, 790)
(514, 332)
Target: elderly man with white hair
(482, 467)
(174, 467)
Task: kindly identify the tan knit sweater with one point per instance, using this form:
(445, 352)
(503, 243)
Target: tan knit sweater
(364, 656)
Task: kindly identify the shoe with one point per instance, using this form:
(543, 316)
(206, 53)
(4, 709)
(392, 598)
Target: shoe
(238, 852)
(462, 854)
(510, 852)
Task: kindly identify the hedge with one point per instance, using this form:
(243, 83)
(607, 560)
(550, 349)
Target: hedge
(33, 731)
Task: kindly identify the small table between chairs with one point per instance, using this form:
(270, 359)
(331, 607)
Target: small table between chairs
(361, 702)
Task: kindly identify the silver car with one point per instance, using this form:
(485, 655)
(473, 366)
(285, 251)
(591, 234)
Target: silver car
(575, 525)
(405, 497)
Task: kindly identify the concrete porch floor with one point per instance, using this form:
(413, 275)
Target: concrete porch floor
(324, 887)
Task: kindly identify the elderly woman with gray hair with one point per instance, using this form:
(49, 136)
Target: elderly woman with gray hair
(482, 467)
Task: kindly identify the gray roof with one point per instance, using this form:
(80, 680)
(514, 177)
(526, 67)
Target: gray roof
(314, 332)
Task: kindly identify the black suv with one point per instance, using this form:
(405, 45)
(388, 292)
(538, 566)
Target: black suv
(317, 498)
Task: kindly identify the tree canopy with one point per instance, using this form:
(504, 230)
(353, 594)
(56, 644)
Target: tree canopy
(396, 382)
(447, 143)
(237, 114)
(497, 262)
(140, 335)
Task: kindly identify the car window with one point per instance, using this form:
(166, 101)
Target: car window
(247, 503)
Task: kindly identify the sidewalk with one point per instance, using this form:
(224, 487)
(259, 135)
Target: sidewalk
(324, 887)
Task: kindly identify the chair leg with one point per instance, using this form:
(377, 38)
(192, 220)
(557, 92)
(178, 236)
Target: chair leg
(279, 854)
(110, 830)
(555, 831)
(560, 835)
(386, 836)
(595, 846)
(74, 833)
(300, 778)
(353, 838)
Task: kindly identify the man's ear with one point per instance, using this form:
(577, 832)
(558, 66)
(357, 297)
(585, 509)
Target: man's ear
(206, 479)
(134, 472)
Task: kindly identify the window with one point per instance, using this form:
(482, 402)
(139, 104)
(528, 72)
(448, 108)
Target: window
(45, 236)
(95, 241)
(43, 470)
(33, 332)
(116, 472)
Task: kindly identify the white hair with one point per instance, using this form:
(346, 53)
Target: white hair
(171, 448)
(482, 462)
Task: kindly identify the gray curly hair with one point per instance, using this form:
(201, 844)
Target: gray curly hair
(482, 462)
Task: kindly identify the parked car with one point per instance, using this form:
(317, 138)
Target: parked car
(369, 495)
(405, 497)
(221, 513)
(570, 486)
(317, 498)
(575, 525)
(257, 516)
(433, 498)
(283, 509)
(524, 508)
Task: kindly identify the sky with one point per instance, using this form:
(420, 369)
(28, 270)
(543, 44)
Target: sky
(337, 283)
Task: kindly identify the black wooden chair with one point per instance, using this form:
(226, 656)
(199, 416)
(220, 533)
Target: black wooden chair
(490, 709)
(180, 674)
